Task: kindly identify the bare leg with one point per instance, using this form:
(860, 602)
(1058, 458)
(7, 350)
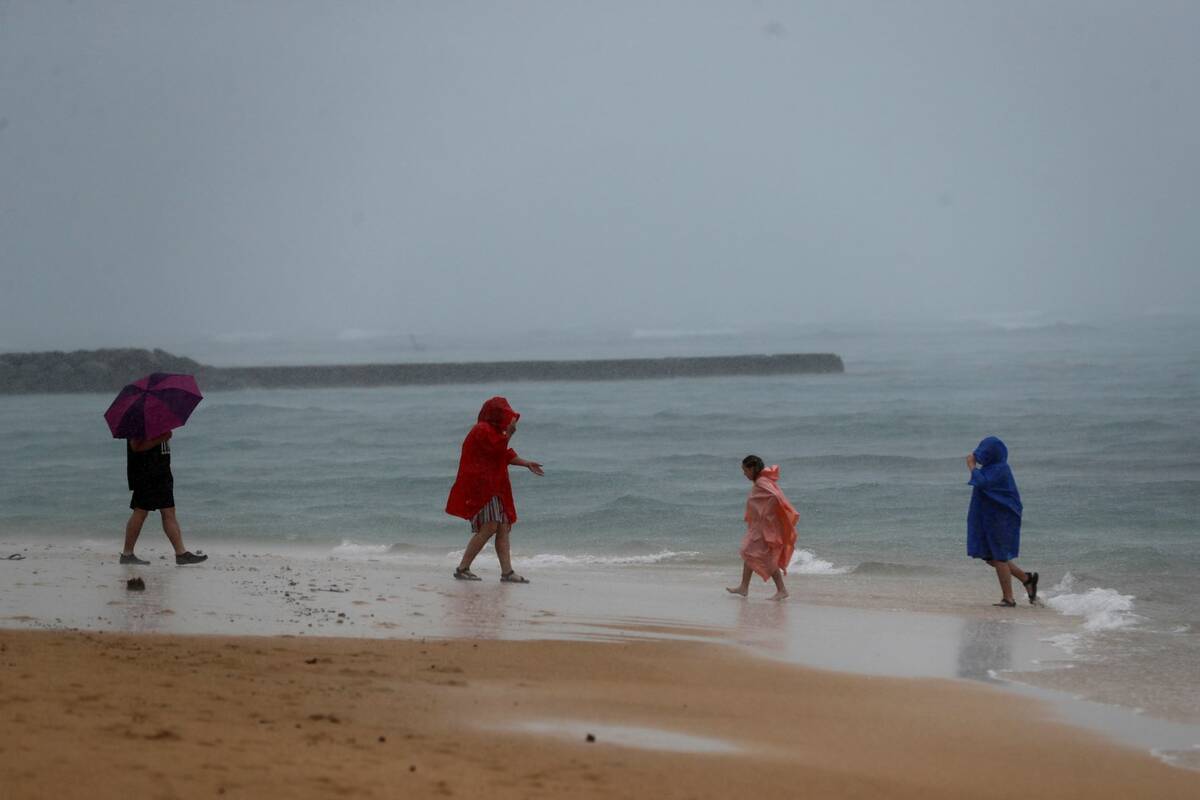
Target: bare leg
(133, 529)
(781, 591)
(486, 531)
(744, 588)
(1004, 575)
(1024, 577)
(503, 547)
(171, 529)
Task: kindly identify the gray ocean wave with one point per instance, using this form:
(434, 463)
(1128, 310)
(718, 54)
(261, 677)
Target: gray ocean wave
(887, 568)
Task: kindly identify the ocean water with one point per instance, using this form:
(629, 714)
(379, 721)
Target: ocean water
(1101, 420)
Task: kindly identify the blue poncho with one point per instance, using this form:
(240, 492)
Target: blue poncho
(994, 518)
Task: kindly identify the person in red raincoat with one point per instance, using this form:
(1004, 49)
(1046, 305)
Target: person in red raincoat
(770, 536)
(482, 493)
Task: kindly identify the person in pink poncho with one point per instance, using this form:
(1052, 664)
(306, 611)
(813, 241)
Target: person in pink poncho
(770, 529)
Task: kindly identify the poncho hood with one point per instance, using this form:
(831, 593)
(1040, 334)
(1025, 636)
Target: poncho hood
(993, 477)
(497, 412)
(991, 451)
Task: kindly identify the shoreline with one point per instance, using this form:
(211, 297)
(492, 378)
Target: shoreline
(118, 715)
(249, 594)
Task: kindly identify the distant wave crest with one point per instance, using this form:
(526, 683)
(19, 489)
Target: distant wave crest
(349, 549)
(888, 568)
(587, 559)
(674, 333)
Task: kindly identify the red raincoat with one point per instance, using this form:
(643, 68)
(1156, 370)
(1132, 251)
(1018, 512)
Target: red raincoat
(483, 465)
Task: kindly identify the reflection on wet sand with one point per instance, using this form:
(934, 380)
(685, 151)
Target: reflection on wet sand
(143, 611)
(475, 609)
(985, 647)
(764, 625)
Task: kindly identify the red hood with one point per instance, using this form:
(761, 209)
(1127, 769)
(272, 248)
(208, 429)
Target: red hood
(498, 412)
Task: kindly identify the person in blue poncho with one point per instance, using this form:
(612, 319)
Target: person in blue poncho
(994, 518)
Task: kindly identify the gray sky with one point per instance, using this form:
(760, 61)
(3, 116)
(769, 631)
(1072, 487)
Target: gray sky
(225, 168)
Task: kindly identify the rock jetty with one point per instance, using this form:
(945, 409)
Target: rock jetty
(85, 370)
(109, 370)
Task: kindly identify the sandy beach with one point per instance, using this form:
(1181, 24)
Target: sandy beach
(261, 675)
(117, 715)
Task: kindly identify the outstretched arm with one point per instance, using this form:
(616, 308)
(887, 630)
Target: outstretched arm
(532, 466)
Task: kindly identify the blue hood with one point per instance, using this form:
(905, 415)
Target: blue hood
(993, 477)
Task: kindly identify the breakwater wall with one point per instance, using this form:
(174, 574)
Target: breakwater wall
(616, 369)
(109, 370)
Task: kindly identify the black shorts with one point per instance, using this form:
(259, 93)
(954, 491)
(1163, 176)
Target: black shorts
(153, 498)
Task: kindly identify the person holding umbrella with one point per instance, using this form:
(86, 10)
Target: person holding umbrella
(144, 414)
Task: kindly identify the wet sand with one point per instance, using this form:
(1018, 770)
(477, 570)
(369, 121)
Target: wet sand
(88, 714)
(410, 596)
(201, 679)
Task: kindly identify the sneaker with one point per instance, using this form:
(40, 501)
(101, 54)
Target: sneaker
(132, 559)
(188, 557)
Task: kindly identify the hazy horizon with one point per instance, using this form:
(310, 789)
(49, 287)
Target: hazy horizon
(233, 173)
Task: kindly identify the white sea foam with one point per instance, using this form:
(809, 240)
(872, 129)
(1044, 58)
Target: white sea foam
(1069, 643)
(587, 559)
(1101, 609)
(805, 562)
(349, 549)
(1066, 584)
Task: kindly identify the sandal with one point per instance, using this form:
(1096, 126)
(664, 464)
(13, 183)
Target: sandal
(1006, 604)
(1031, 586)
(512, 577)
(465, 575)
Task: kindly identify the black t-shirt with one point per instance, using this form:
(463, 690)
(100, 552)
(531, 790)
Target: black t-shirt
(149, 469)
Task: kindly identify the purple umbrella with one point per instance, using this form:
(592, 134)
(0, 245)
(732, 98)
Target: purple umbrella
(148, 408)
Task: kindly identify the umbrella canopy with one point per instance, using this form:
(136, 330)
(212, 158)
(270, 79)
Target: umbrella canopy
(148, 408)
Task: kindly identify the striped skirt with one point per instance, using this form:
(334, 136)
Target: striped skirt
(492, 512)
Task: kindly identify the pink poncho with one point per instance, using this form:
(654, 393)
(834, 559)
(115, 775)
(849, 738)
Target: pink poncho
(770, 526)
